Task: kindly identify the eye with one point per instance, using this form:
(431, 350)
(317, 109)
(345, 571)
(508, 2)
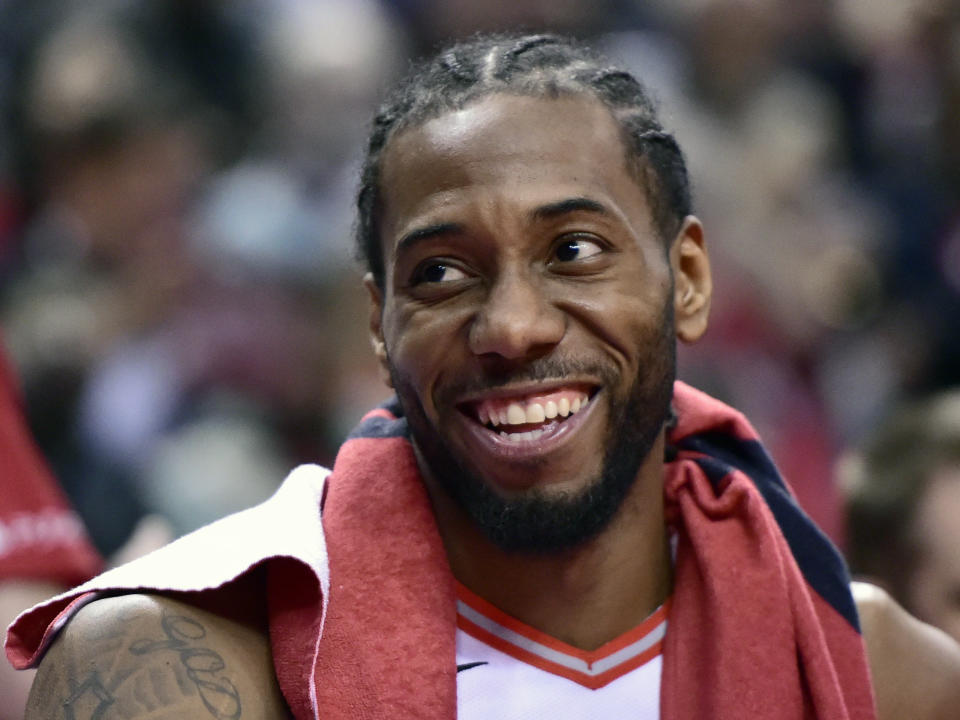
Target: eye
(437, 272)
(576, 248)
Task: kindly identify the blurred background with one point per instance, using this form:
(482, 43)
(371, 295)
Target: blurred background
(177, 284)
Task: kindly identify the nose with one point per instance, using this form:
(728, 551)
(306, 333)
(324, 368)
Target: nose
(516, 320)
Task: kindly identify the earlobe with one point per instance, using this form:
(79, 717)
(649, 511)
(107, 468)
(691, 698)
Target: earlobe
(376, 327)
(693, 283)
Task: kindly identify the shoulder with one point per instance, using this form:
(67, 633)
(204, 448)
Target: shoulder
(15, 595)
(154, 656)
(915, 667)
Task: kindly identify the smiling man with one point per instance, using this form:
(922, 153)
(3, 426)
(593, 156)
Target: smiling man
(543, 524)
(525, 316)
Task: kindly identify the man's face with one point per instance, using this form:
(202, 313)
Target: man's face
(527, 315)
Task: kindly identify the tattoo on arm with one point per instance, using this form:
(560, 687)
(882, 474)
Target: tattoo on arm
(88, 701)
(203, 666)
(140, 657)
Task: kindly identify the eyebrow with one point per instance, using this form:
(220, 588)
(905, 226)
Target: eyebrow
(544, 212)
(569, 205)
(418, 235)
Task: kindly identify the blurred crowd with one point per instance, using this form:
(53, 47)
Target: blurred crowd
(177, 283)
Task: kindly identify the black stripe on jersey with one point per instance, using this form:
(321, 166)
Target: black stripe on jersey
(820, 562)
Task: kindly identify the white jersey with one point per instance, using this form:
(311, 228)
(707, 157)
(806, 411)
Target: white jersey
(507, 670)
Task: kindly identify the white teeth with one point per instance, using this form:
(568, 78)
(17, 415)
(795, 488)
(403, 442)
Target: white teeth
(523, 436)
(516, 415)
(535, 413)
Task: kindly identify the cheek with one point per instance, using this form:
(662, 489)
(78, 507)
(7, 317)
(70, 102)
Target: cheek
(421, 349)
(635, 326)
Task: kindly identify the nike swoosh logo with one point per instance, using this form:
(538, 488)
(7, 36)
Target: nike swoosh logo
(467, 666)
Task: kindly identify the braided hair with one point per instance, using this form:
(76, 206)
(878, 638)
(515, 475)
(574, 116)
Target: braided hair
(548, 66)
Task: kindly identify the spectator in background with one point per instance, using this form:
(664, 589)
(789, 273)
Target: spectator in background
(43, 547)
(116, 156)
(160, 271)
(903, 504)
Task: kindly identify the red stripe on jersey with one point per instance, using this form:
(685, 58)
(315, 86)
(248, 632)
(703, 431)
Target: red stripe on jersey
(590, 657)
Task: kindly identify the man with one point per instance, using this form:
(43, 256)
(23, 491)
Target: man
(513, 537)
(903, 499)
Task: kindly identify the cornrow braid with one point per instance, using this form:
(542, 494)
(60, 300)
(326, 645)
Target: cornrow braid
(533, 65)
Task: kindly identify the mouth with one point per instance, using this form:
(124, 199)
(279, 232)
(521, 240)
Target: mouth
(526, 417)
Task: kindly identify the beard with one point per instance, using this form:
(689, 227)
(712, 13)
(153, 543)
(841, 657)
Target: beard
(536, 522)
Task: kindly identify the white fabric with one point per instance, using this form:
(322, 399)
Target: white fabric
(510, 689)
(498, 682)
(285, 525)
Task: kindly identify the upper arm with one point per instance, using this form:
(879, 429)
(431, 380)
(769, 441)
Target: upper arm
(15, 597)
(139, 656)
(915, 667)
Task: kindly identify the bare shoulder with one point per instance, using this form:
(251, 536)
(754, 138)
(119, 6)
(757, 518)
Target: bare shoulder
(15, 595)
(139, 656)
(915, 667)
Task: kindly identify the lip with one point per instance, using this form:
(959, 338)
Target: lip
(556, 436)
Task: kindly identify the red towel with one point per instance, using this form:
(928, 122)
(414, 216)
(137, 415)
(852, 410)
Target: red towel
(762, 623)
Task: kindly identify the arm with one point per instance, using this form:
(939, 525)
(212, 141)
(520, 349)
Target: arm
(16, 596)
(915, 667)
(140, 656)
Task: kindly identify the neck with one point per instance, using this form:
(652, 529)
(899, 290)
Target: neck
(585, 596)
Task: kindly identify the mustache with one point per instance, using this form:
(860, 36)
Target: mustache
(541, 370)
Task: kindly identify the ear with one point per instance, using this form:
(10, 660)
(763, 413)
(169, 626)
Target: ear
(376, 327)
(693, 284)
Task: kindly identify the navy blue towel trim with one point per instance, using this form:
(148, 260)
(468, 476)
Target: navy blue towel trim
(380, 427)
(819, 561)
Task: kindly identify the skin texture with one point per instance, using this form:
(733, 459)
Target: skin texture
(139, 656)
(934, 592)
(15, 595)
(482, 299)
(915, 667)
(551, 278)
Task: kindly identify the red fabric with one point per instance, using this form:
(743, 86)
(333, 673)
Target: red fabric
(747, 638)
(295, 605)
(40, 536)
(388, 645)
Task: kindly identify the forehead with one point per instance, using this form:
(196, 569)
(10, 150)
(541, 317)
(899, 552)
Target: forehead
(539, 149)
